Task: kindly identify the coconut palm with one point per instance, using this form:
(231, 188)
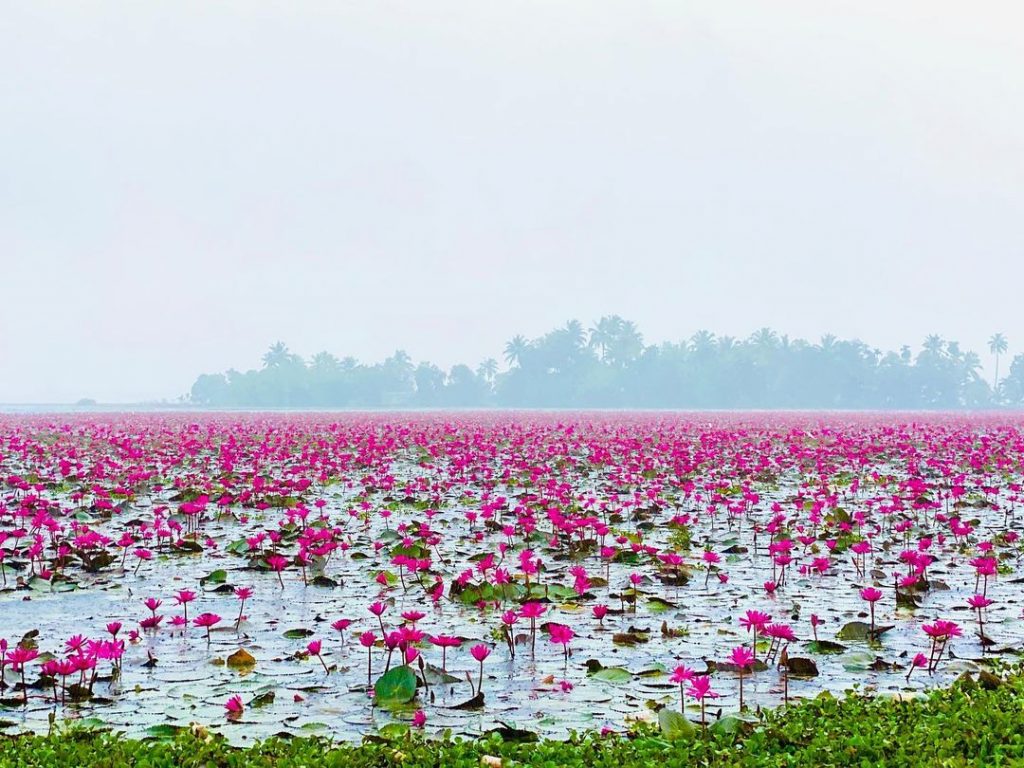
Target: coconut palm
(277, 356)
(997, 345)
(764, 338)
(933, 344)
(487, 369)
(575, 333)
(702, 341)
(515, 348)
(323, 362)
(602, 335)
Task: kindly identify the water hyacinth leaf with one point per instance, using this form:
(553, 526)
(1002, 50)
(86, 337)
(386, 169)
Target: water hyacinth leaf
(727, 725)
(675, 725)
(393, 731)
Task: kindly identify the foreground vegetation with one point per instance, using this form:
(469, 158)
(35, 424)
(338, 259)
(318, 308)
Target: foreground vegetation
(967, 724)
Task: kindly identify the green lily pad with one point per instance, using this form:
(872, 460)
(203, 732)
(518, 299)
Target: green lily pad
(616, 675)
(395, 686)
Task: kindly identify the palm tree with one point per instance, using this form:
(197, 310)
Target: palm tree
(933, 344)
(277, 355)
(515, 348)
(702, 341)
(764, 338)
(603, 334)
(629, 343)
(487, 369)
(726, 343)
(323, 362)
(997, 345)
(575, 333)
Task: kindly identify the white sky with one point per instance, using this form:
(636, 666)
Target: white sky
(183, 183)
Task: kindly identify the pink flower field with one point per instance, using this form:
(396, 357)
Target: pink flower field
(350, 574)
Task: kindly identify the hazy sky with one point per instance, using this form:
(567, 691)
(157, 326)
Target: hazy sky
(183, 183)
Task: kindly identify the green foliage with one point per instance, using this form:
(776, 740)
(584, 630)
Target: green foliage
(963, 725)
(610, 366)
(674, 725)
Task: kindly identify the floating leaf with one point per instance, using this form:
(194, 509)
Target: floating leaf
(801, 667)
(263, 700)
(616, 675)
(629, 638)
(215, 577)
(395, 686)
(241, 659)
(477, 702)
(162, 732)
(825, 646)
(659, 605)
(859, 630)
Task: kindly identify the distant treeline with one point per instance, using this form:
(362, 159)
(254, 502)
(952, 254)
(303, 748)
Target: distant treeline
(609, 365)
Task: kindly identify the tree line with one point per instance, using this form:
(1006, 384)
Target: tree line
(609, 366)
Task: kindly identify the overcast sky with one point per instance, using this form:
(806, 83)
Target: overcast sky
(183, 183)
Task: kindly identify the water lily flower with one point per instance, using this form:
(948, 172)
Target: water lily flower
(206, 620)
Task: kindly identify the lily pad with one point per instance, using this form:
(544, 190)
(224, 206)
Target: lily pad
(241, 659)
(859, 630)
(825, 646)
(616, 675)
(396, 686)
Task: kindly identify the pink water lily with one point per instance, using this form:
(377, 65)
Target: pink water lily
(743, 658)
(700, 689)
(207, 621)
(436, 526)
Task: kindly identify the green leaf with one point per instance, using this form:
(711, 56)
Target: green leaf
(674, 725)
(298, 634)
(263, 700)
(216, 577)
(616, 675)
(659, 605)
(728, 725)
(859, 630)
(825, 646)
(393, 730)
(162, 732)
(396, 686)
